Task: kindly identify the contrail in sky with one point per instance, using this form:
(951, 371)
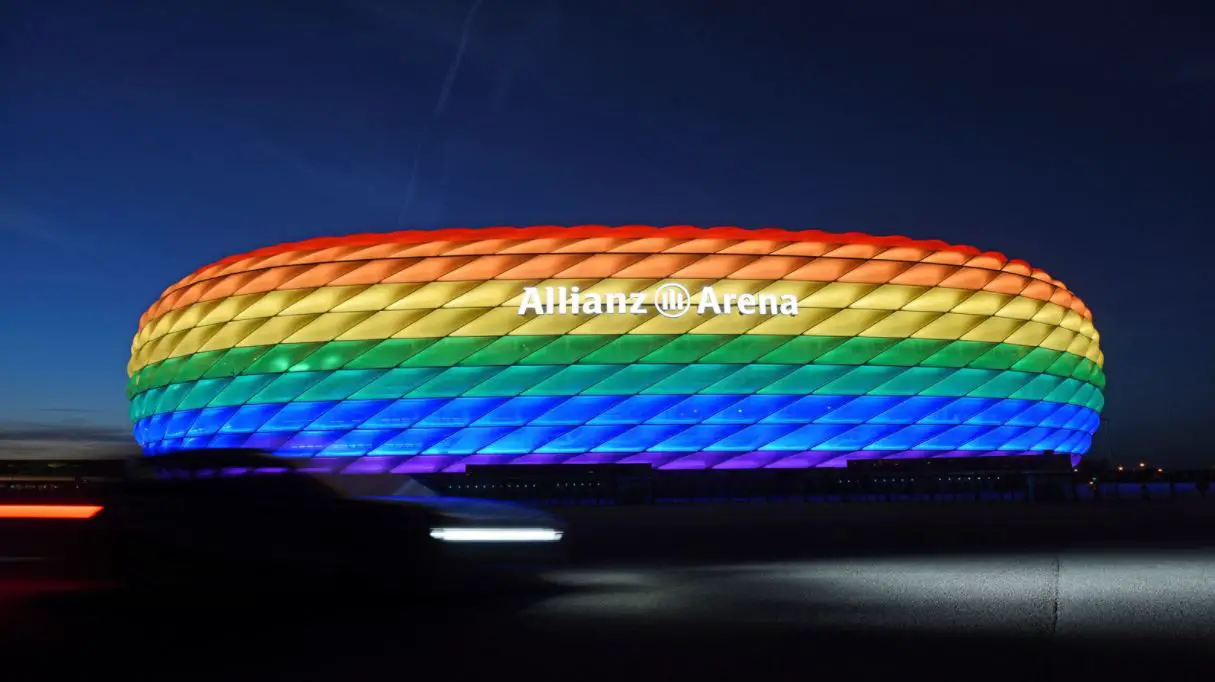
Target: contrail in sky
(440, 107)
(455, 64)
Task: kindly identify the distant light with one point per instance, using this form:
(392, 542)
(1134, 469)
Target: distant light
(496, 534)
(1119, 467)
(1142, 464)
(1160, 471)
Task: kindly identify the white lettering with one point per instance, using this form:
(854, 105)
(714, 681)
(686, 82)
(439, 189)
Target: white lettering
(746, 304)
(617, 304)
(531, 300)
(670, 300)
(592, 303)
(708, 302)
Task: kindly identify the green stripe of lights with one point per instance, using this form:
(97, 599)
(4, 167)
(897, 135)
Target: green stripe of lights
(604, 379)
(644, 349)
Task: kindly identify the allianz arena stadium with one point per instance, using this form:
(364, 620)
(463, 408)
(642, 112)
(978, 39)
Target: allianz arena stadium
(678, 347)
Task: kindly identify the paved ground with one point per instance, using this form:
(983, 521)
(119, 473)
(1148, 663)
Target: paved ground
(720, 609)
(1162, 595)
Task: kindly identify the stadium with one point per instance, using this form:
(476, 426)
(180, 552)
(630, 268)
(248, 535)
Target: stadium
(675, 347)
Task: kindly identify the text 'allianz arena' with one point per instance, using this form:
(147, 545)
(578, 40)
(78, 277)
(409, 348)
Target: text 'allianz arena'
(681, 347)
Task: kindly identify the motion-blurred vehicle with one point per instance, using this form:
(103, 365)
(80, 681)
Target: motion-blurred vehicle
(243, 516)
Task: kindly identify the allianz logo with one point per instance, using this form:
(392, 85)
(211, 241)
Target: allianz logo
(671, 299)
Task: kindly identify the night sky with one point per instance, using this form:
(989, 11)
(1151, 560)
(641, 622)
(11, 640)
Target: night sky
(141, 140)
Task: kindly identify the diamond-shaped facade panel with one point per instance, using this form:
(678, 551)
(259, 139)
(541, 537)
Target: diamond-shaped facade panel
(678, 346)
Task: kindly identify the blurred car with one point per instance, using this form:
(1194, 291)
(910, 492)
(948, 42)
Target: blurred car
(245, 517)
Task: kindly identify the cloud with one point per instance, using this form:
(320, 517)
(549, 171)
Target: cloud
(72, 440)
(507, 41)
(26, 223)
(364, 184)
(74, 433)
(70, 410)
(500, 40)
(433, 23)
(1199, 72)
(44, 450)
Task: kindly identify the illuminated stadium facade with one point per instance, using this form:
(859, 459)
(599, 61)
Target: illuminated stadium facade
(681, 347)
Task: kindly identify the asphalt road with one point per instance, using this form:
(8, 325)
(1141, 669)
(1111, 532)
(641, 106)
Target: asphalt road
(721, 609)
(1166, 596)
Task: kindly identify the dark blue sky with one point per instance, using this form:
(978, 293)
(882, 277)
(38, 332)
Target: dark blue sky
(140, 140)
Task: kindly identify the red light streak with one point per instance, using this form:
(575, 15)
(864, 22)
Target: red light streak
(48, 511)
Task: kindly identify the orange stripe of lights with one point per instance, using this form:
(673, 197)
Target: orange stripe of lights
(270, 267)
(633, 265)
(48, 511)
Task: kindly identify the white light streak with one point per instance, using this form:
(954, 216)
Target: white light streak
(496, 534)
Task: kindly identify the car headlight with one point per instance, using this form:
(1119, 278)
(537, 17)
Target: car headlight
(467, 534)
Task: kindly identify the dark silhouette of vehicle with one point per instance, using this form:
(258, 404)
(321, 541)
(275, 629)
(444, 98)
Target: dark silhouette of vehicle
(246, 518)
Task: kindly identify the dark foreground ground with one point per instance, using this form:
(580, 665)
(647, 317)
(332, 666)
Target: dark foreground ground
(1115, 591)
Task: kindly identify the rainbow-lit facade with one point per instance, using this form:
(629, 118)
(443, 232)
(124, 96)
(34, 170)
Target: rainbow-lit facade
(410, 351)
